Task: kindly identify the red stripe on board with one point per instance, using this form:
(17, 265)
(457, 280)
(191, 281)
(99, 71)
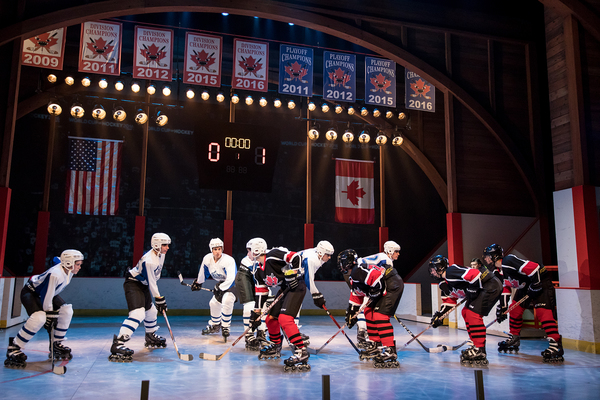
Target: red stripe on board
(587, 237)
(455, 238)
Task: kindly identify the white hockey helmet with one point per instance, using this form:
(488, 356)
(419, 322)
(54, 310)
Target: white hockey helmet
(216, 242)
(69, 257)
(158, 239)
(390, 247)
(324, 247)
(257, 246)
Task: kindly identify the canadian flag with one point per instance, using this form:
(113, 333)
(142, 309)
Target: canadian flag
(354, 199)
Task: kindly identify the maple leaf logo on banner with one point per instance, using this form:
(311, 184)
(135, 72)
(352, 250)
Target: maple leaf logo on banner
(420, 89)
(381, 83)
(99, 47)
(296, 72)
(203, 60)
(44, 42)
(251, 66)
(153, 55)
(339, 77)
(353, 192)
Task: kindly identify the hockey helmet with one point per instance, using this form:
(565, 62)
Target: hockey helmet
(495, 251)
(216, 242)
(69, 257)
(390, 247)
(257, 246)
(437, 266)
(324, 247)
(347, 260)
(158, 239)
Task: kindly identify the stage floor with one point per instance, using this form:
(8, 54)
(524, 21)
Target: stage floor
(240, 375)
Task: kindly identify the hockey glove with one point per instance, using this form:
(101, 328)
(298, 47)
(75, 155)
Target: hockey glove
(501, 314)
(218, 293)
(438, 317)
(535, 289)
(254, 320)
(352, 315)
(291, 278)
(196, 286)
(161, 304)
(318, 299)
(51, 320)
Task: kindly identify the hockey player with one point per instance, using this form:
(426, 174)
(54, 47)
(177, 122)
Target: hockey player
(140, 286)
(530, 279)
(383, 289)
(480, 287)
(391, 251)
(244, 281)
(222, 269)
(46, 308)
(281, 267)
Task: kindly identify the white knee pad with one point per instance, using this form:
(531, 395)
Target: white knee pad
(132, 322)
(150, 320)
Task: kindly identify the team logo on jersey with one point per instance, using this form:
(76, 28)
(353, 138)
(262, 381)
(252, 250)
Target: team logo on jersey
(203, 61)
(250, 66)
(153, 55)
(420, 89)
(271, 280)
(510, 282)
(339, 77)
(458, 293)
(44, 41)
(296, 71)
(99, 47)
(381, 83)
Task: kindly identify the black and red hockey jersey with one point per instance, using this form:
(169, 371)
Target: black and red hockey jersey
(518, 273)
(366, 280)
(272, 273)
(460, 281)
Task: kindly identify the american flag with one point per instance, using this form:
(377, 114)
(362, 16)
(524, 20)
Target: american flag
(93, 177)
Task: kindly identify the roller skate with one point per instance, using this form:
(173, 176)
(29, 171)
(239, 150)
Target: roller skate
(15, 358)
(270, 352)
(211, 329)
(387, 358)
(511, 344)
(371, 350)
(298, 361)
(119, 352)
(153, 341)
(361, 338)
(60, 352)
(225, 333)
(474, 356)
(554, 352)
(305, 339)
(252, 343)
(261, 336)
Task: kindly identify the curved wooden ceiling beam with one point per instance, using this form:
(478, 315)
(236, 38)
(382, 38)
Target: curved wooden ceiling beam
(586, 16)
(284, 13)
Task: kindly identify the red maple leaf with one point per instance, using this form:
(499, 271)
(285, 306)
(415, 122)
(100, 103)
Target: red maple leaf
(100, 47)
(339, 77)
(380, 82)
(271, 280)
(353, 192)
(420, 88)
(45, 40)
(296, 71)
(250, 65)
(203, 60)
(152, 53)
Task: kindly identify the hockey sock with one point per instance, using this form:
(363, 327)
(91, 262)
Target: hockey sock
(291, 330)
(516, 320)
(248, 307)
(372, 329)
(32, 326)
(227, 309)
(274, 330)
(475, 327)
(150, 319)
(65, 314)
(546, 317)
(215, 311)
(132, 322)
(385, 329)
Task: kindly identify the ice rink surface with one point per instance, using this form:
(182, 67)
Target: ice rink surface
(240, 375)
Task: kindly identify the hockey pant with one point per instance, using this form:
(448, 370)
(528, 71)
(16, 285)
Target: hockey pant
(141, 308)
(379, 327)
(220, 313)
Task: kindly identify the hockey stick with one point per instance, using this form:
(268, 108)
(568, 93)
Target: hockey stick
(57, 369)
(313, 351)
(187, 284)
(184, 357)
(440, 349)
(212, 357)
(430, 325)
(338, 325)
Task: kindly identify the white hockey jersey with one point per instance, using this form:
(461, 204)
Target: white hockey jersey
(379, 259)
(148, 270)
(222, 271)
(50, 284)
(310, 265)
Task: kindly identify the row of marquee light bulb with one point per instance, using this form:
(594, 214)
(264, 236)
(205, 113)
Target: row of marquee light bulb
(348, 136)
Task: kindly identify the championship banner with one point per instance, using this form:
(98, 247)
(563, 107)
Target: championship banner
(46, 50)
(202, 63)
(354, 191)
(339, 76)
(380, 82)
(100, 48)
(296, 70)
(153, 54)
(419, 94)
(250, 65)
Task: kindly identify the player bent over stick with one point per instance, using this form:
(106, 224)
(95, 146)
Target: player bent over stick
(482, 290)
(140, 285)
(280, 267)
(46, 308)
(384, 287)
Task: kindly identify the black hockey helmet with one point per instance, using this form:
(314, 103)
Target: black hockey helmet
(437, 266)
(495, 251)
(347, 260)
